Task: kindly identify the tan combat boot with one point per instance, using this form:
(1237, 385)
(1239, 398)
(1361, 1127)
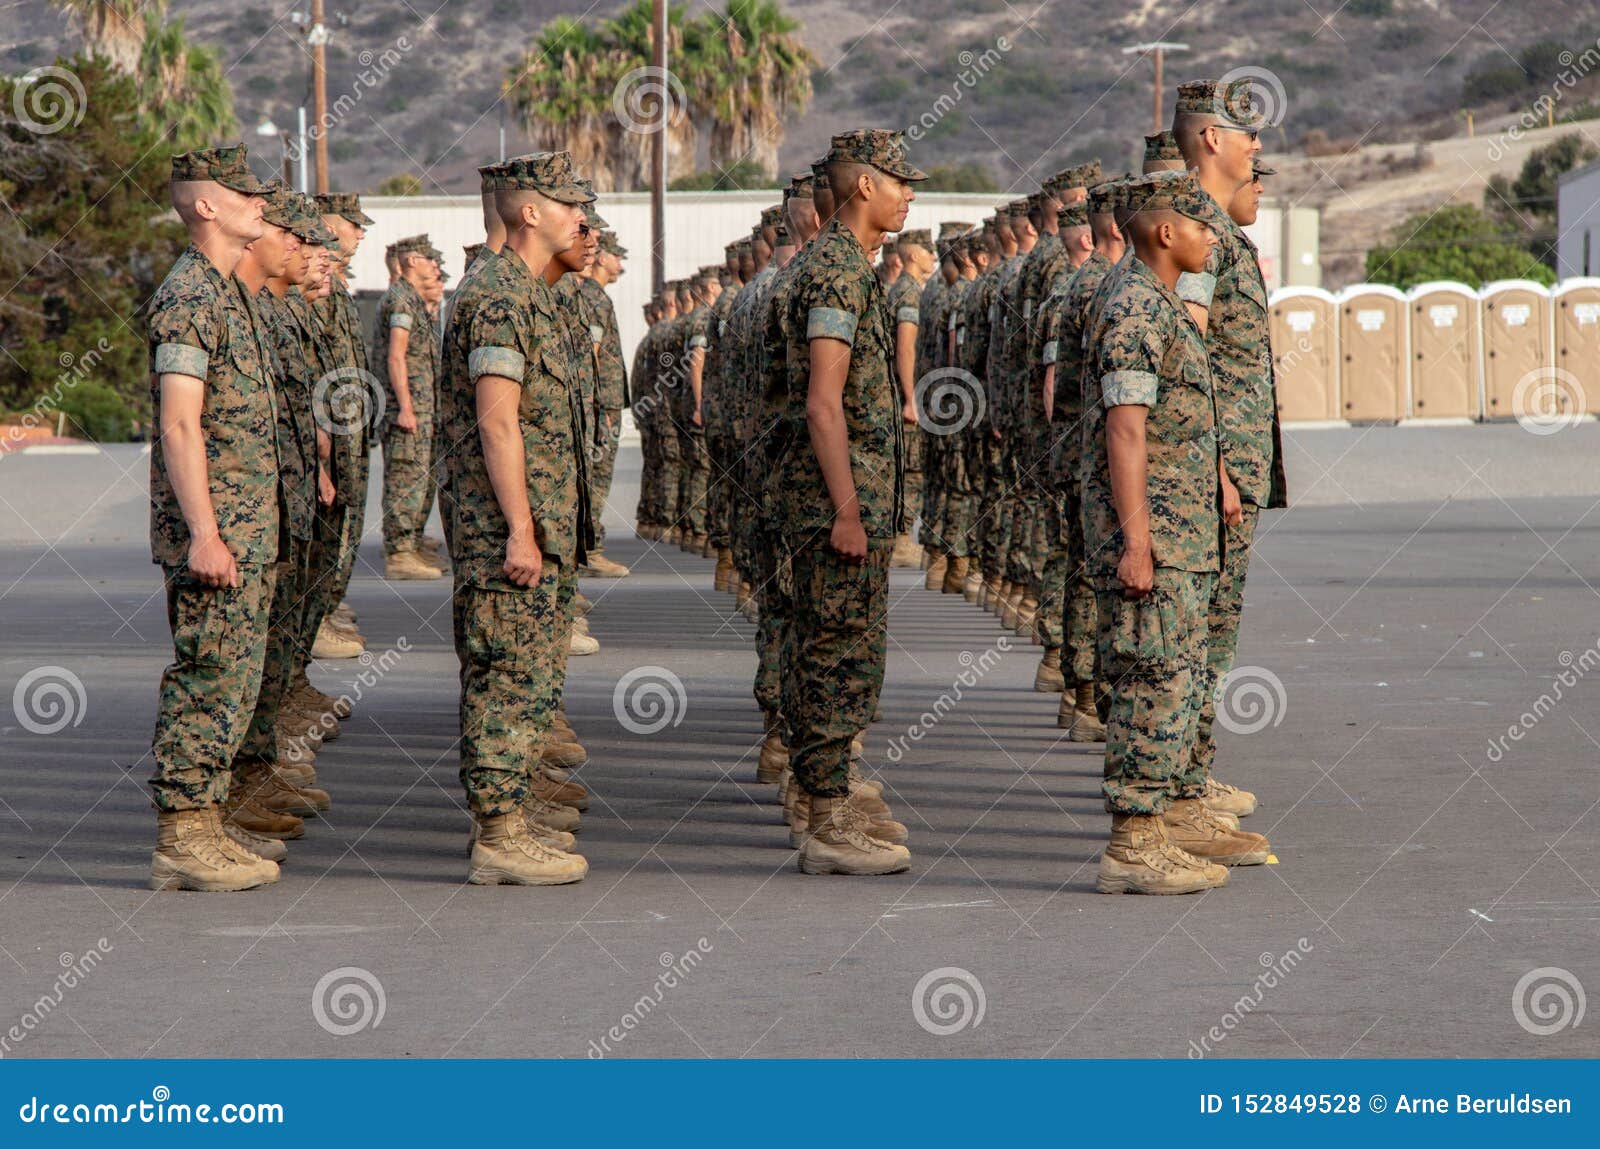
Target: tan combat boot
(579, 644)
(505, 853)
(270, 789)
(1195, 829)
(724, 571)
(552, 814)
(300, 774)
(345, 613)
(598, 566)
(581, 603)
(936, 572)
(555, 839)
(774, 758)
(308, 697)
(955, 575)
(1140, 859)
(192, 853)
(1027, 615)
(243, 811)
(972, 587)
(839, 841)
(1048, 679)
(330, 643)
(547, 789)
(272, 849)
(1226, 799)
(905, 553)
(567, 755)
(1011, 608)
(1086, 725)
(405, 565)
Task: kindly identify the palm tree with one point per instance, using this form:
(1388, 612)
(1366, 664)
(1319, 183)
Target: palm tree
(639, 94)
(183, 92)
(114, 29)
(559, 92)
(768, 78)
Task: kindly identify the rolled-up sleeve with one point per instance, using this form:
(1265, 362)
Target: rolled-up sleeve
(1129, 388)
(831, 323)
(506, 361)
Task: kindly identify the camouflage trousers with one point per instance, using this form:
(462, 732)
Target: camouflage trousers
(649, 474)
(835, 663)
(1068, 613)
(601, 472)
(209, 690)
(561, 651)
(929, 529)
(994, 508)
(915, 477)
(670, 477)
(1153, 651)
(1222, 625)
(505, 641)
(408, 485)
(291, 594)
(719, 488)
(355, 525)
(774, 583)
(963, 498)
(694, 478)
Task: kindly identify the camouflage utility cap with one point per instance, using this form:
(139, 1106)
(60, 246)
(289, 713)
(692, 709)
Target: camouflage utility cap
(801, 185)
(279, 208)
(551, 174)
(920, 237)
(1162, 147)
(1107, 197)
(952, 228)
(1257, 170)
(492, 177)
(879, 147)
(1231, 102)
(1170, 191)
(1073, 215)
(225, 165)
(347, 205)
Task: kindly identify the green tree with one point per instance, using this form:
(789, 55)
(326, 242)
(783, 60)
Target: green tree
(85, 244)
(183, 92)
(1456, 242)
(963, 177)
(113, 29)
(742, 176)
(404, 183)
(1526, 206)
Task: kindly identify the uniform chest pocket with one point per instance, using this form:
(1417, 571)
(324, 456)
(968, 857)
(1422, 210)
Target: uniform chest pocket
(1251, 287)
(245, 354)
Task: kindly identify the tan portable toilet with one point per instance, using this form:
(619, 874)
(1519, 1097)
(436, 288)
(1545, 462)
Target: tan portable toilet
(1374, 352)
(1516, 342)
(1305, 354)
(1575, 316)
(1446, 364)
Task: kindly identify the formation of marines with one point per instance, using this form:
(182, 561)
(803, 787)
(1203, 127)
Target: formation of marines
(1065, 415)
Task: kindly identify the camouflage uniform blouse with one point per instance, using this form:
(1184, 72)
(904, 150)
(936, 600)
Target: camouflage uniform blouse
(835, 295)
(1239, 339)
(505, 323)
(1147, 350)
(203, 324)
(612, 375)
(404, 308)
(297, 434)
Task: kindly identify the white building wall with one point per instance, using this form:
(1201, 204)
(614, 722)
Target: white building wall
(1578, 223)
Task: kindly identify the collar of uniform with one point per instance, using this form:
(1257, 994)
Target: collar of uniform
(1140, 267)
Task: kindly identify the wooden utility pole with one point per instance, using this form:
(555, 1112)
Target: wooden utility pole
(658, 149)
(318, 36)
(1157, 50)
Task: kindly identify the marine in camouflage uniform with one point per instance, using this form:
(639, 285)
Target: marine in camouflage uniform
(408, 482)
(706, 289)
(721, 448)
(641, 400)
(1068, 622)
(975, 332)
(1238, 339)
(933, 314)
(506, 324)
(295, 374)
(611, 379)
(957, 498)
(1010, 372)
(841, 607)
(905, 311)
(205, 325)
